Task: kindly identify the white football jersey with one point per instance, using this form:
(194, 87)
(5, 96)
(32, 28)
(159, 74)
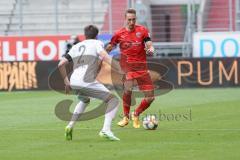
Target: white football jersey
(86, 61)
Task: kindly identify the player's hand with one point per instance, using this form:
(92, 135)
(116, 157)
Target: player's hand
(109, 48)
(67, 89)
(150, 51)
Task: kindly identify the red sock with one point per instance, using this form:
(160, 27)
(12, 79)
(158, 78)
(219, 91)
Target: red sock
(142, 107)
(127, 103)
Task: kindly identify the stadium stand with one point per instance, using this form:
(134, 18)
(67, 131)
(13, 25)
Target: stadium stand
(70, 16)
(237, 18)
(117, 8)
(218, 18)
(171, 23)
(6, 8)
(168, 23)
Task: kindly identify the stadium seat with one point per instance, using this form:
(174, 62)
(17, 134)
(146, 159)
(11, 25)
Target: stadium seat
(40, 19)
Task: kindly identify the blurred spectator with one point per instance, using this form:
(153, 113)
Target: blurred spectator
(71, 42)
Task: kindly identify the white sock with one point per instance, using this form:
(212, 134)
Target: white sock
(80, 107)
(111, 111)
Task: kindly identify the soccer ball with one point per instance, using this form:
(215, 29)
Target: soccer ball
(150, 122)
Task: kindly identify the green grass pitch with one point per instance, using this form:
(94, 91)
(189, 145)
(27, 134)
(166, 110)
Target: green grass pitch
(210, 129)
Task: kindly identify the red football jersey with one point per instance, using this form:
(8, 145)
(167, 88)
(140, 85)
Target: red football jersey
(133, 55)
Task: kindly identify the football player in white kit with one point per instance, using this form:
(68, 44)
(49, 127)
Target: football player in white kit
(86, 57)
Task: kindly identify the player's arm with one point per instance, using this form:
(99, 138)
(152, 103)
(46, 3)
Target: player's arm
(148, 43)
(149, 46)
(112, 44)
(105, 57)
(62, 68)
(109, 47)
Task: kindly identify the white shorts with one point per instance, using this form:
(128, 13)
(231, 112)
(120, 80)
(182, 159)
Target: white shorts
(94, 90)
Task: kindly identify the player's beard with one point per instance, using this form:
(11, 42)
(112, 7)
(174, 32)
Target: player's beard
(131, 27)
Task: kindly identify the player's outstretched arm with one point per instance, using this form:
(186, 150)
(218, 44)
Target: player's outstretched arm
(109, 48)
(105, 57)
(61, 66)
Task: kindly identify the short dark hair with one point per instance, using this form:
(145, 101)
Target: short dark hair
(130, 10)
(91, 32)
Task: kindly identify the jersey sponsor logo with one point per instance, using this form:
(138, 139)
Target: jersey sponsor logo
(136, 43)
(129, 44)
(125, 45)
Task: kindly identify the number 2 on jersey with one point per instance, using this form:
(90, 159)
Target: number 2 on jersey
(81, 51)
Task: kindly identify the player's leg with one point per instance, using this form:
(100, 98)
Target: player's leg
(112, 108)
(99, 91)
(146, 86)
(127, 95)
(145, 103)
(80, 107)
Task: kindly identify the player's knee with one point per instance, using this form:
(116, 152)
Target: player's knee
(113, 99)
(127, 92)
(84, 99)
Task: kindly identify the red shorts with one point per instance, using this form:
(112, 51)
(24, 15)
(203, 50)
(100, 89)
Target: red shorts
(143, 80)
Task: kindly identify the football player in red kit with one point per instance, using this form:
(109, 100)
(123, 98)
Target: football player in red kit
(135, 43)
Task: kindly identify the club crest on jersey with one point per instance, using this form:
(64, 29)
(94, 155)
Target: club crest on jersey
(138, 34)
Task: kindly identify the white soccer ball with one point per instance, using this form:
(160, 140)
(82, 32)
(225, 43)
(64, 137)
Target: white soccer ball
(150, 122)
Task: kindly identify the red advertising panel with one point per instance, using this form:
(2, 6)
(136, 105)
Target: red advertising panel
(32, 48)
